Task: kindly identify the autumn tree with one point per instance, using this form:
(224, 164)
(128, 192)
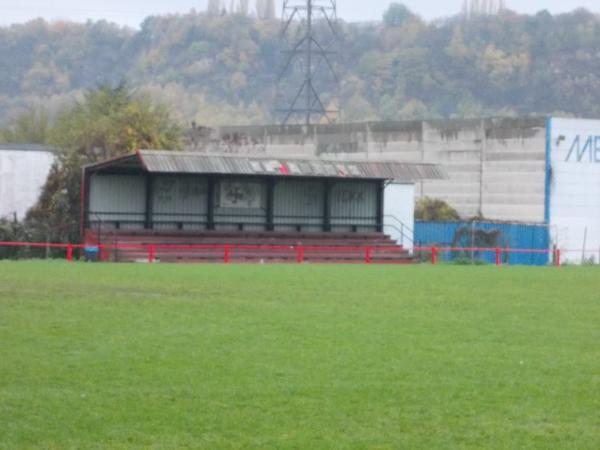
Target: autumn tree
(396, 15)
(109, 122)
(31, 127)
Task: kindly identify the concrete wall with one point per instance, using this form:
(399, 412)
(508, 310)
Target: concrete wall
(496, 166)
(23, 172)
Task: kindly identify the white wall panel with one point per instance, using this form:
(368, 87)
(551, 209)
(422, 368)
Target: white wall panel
(575, 187)
(118, 198)
(22, 176)
(399, 213)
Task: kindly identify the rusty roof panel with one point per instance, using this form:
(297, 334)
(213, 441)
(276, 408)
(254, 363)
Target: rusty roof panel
(179, 162)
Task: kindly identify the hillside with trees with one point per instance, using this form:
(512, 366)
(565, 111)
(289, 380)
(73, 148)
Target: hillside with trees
(220, 66)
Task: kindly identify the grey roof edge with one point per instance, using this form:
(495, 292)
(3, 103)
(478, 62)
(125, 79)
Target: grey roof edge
(111, 161)
(27, 148)
(277, 157)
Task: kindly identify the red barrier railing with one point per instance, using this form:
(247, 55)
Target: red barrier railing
(299, 251)
(151, 250)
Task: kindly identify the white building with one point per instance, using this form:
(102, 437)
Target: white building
(23, 172)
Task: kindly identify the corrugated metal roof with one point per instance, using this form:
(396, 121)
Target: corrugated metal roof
(156, 161)
(178, 162)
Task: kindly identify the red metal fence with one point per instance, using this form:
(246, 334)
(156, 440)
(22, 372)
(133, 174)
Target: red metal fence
(299, 251)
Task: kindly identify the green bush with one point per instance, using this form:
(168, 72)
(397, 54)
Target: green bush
(433, 209)
(12, 231)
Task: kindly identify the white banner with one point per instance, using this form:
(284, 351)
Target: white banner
(575, 188)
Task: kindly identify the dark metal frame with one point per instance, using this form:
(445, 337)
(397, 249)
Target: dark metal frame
(210, 208)
(327, 205)
(300, 223)
(149, 199)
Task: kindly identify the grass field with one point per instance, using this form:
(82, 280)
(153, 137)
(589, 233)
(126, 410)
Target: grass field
(298, 357)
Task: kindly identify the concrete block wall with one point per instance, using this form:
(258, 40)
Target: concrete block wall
(457, 147)
(496, 167)
(514, 161)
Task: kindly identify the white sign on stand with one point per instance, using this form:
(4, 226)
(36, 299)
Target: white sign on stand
(574, 207)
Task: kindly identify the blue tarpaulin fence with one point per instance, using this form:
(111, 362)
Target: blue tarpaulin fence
(504, 235)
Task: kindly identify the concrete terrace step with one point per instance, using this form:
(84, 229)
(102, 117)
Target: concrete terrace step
(316, 247)
(256, 242)
(254, 255)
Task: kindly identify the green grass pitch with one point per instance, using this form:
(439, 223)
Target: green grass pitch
(96, 356)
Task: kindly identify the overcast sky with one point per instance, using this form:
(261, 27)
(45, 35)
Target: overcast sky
(132, 12)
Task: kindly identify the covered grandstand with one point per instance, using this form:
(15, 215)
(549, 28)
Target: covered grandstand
(174, 198)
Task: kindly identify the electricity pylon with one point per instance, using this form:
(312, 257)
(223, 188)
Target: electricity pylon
(308, 87)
